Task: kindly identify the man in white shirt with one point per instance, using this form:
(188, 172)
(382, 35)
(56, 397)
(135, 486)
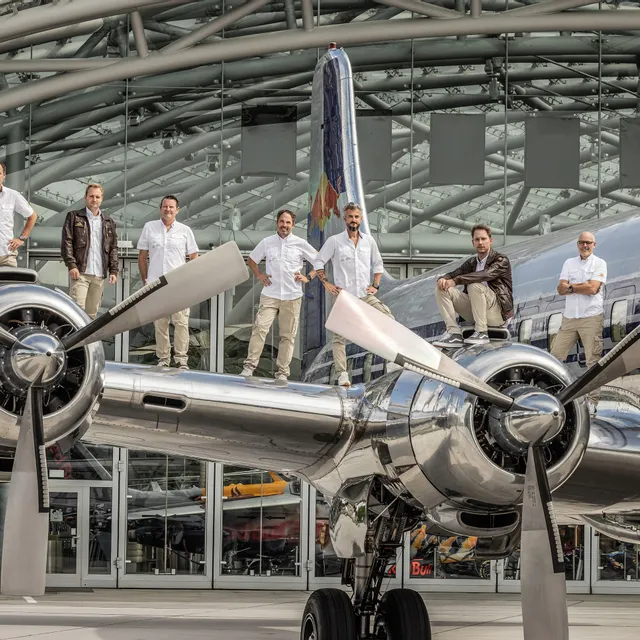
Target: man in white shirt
(12, 202)
(282, 293)
(353, 256)
(164, 244)
(90, 251)
(582, 280)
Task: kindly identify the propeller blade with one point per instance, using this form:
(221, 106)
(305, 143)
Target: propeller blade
(26, 523)
(544, 590)
(7, 339)
(211, 274)
(622, 359)
(361, 323)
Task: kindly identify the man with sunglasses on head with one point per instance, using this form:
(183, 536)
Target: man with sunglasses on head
(582, 280)
(354, 255)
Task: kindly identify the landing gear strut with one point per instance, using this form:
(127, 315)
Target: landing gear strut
(399, 615)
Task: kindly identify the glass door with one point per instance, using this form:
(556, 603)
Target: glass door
(576, 543)
(81, 545)
(615, 565)
(63, 548)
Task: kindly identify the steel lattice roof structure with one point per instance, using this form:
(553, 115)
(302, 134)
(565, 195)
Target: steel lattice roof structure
(89, 88)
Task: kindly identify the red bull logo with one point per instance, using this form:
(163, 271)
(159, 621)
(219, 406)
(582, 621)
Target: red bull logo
(326, 202)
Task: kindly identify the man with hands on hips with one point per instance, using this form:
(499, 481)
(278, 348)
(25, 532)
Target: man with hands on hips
(12, 202)
(353, 255)
(282, 293)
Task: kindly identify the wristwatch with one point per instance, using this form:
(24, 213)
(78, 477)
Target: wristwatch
(570, 289)
(375, 286)
(23, 238)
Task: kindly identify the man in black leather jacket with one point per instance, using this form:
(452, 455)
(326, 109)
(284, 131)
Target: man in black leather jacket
(487, 298)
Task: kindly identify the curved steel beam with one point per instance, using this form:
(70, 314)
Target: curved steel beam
(62, 14)
(422, 8)
(358, 33)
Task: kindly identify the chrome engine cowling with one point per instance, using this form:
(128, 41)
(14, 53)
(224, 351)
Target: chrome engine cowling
(40, 317)
(467, 452)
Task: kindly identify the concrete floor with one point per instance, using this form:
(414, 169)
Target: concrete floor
(253, 615)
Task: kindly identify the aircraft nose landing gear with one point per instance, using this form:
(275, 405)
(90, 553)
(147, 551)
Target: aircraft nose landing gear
(399, 615)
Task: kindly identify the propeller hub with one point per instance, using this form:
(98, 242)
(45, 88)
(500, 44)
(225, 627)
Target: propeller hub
(535, 416)
(38, 353)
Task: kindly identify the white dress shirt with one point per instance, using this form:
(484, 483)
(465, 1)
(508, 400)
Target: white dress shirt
(167, 248)
(284, 258)
(94, 259)
(352, 263)
(10, 202)
(578, 271)
(480, 265)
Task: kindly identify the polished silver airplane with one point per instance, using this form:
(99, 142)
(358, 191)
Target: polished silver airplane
(474, 442)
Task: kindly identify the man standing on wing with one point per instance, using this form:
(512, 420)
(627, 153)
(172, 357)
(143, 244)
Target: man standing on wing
(90, 251)
(582, 280)
(282, 293)
(487, 298)
(163, 247)
(12, 202)
(353, 256)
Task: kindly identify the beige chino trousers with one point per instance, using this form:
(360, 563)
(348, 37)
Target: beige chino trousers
(8, 261)
(589, 330)
(480, 306)
(87, 292)
(288, 313)
(339, 349)
(180, 321)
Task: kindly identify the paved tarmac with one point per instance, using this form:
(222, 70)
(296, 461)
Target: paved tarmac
(122, 614)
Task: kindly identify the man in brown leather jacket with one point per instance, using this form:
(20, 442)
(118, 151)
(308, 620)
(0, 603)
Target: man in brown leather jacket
(487, 299)
(90, 251)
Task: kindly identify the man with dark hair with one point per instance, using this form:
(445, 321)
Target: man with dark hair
(353, 255)
(163, 247)
(90, 251)
(282, 292)
(487, 298)
(12, 202)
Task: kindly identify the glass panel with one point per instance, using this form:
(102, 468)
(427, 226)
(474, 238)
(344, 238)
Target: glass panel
(553, 327)
(166, 522)
(524, 333)
(260, 523)
(618, 560)
(573, 545)
(142, 340)
(618, 320)
(53, 273)
(443, 557)
(82, 462)
(100, 519)
(62, 555)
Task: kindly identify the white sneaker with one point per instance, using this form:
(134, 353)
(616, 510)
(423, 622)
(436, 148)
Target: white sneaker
(163, 363)
(246, 372)
(281, 376)
(343, 379)
(393, 366)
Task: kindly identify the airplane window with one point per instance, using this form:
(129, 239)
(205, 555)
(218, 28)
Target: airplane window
(555, 320)
(618, 320)
(524, 333)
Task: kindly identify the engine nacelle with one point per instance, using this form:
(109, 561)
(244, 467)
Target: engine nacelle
(72, 384)
(471, 455)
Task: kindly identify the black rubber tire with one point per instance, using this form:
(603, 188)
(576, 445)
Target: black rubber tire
(328, 616)
(404, 616)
